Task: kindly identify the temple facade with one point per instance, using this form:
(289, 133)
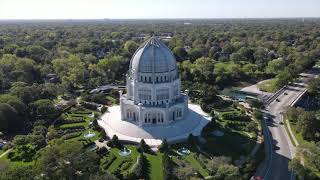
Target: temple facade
(153, 91)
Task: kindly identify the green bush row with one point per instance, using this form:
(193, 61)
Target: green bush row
(72, 127)
(108, 160)
(71, 135)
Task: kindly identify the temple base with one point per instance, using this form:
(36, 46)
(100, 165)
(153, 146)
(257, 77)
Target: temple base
(192, 123)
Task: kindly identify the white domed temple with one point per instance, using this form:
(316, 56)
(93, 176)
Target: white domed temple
(154, 108)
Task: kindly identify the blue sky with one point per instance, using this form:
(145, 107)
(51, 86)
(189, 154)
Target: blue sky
(133, 9)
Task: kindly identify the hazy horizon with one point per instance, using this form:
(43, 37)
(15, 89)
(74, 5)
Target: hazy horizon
(157, 9)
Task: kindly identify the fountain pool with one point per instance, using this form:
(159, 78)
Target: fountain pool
(124, 152)
(91, 115)
(183, 151)
(90, 135)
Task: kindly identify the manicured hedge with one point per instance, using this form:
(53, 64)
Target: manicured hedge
(71, 135)
(108, 160)
(73, 127)
(139, 168)
(126, 164)
(82, 112)
(167, 166)
(236, 116)
(72, 121)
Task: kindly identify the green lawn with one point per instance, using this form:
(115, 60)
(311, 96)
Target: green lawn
(76, 115)
(4, 162)
(85, 124)
(1, 151)
(268, 85)
(195, 164)
(232, 144)
(289, 134)
(81, 137)
(120, 159)
(297, 135)
(155, 161)
(75, 124)
(156, 168)
(112, 99)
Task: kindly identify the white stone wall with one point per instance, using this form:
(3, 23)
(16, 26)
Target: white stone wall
(152, 115)
(140, 86)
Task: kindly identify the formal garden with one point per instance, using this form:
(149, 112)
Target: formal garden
(222, 151)
(228, 139)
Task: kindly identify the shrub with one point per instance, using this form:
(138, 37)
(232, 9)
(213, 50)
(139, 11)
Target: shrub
(89, 106)
(209, 127)
(82, 112)
(23, 153)
(125, 164)
(109, 143)
(102, 151)
(143, 147)
(236, 116)
(104, 109)
(71, 135)
(138, 170)
(108, 160)
(72, 121)
(95, 125)
(103, 134)
(37, 140)
(114, 142)
(72, 127)
(164, 146)
(192, 140)
(53, 133)
(167, 167)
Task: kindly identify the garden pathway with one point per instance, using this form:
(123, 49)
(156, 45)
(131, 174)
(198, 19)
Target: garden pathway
(6, 152)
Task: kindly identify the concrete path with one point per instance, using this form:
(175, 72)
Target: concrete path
(6, 152)
(255, 90)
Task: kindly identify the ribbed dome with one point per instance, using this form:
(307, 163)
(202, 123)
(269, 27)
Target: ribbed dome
(153, 56)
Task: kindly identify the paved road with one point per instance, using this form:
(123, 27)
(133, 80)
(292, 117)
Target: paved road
(277, 142)
(278, 145)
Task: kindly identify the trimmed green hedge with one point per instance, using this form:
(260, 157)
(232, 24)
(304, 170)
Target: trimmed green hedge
(72, 127)
(71, 135)
(107, 161)
(235, 116)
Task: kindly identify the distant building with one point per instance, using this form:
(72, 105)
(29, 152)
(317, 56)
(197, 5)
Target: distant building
(165, 36)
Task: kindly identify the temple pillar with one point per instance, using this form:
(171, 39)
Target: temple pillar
(167, 116)
(186, 98)
(140, 119)
(121, 105)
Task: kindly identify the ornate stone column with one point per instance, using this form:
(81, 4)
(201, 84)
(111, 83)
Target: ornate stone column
(167, 116)
(186, 98)
(140, 119)
(121, 105)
